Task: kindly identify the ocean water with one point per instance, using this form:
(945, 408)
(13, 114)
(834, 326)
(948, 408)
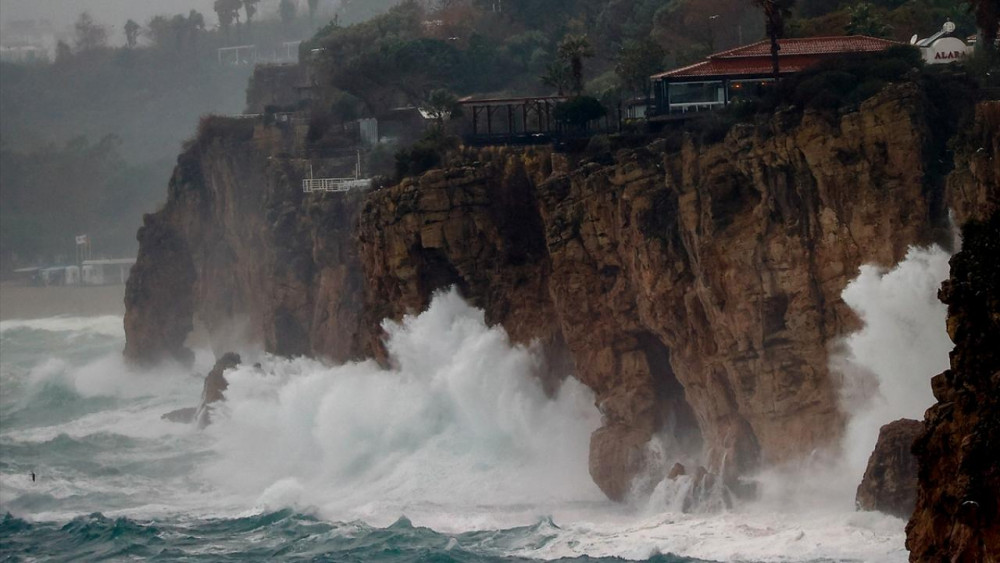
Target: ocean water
(454, 453)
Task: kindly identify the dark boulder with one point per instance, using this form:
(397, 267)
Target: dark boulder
(215, 385)
(890, 481)
(181, 416)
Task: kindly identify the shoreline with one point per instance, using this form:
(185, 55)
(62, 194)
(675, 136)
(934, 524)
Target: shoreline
(26, 302)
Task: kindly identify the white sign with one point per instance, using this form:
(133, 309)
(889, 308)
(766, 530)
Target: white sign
(81, 239)
(946, 50)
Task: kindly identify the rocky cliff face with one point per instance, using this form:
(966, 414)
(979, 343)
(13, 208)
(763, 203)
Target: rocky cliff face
(241, 249)
(958, 498)
(695, 288)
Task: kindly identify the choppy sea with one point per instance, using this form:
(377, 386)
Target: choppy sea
(453, 454)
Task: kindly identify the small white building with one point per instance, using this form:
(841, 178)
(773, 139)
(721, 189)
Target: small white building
(60, 275)
(106, 272)
(943, 47)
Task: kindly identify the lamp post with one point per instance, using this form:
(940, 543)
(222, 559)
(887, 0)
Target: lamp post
(711, 33)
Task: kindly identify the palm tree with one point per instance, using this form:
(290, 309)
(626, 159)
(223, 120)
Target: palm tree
(441, 105)
(573, 49)
(131, 33)
(195, 26)
(558, 76)
(775, 12)
(866, 21)
(228, 10)
(250, 7)
(286, 9)
(987, 14)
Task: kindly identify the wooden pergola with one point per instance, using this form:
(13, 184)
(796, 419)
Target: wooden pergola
(512, 117)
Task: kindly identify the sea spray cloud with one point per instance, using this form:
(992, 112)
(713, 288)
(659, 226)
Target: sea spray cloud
(119, 453)
(459, 420)
(885, 370)
(902, 345)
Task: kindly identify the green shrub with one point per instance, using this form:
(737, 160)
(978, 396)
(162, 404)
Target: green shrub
(865, 90)
(824, 90)
(417, 159)
(579, 111)
(425, 154)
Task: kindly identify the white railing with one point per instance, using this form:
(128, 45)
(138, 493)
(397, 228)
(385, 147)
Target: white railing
(695, 106)
(310, 185)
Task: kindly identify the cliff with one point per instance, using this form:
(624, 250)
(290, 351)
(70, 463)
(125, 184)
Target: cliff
(957, 517)
(695, 288)
(240, 248)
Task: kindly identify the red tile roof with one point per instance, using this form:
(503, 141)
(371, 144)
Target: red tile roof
(795, 54)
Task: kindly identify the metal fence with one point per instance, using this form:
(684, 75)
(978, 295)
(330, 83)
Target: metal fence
(310, 185)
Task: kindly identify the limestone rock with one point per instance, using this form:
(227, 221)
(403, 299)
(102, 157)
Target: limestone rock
(694, 288)
(240, 248)
(957, 517)
(617, 455)
(215, 386)
(890, 481)
(678, 470)
(181, 416)
(159, 302)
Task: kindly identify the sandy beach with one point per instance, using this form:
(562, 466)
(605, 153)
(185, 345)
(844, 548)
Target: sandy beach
(22, 302)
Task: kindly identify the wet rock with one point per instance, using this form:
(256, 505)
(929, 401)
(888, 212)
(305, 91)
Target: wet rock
(181, 416)
(707, 493)
(617, 456)
(957, 516)
(890, 481)
(215, 386)
(159, 296)
(676, 471)
(693, 287)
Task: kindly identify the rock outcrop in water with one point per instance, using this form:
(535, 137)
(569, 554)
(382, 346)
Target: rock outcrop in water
(215, 386)
(240, 247)
(890, 481)
(957, 517)
(694, 287)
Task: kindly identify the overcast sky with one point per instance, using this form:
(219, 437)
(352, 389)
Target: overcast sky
(113, 13)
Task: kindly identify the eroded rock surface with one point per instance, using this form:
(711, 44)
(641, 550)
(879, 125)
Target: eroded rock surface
(890, 481)
(696, 288)
(215, 387)
(693, 287)
(957, 517)
(239, 247)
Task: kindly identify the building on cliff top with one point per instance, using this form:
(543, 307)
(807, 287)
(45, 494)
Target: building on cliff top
(943, 47)
(745, 71)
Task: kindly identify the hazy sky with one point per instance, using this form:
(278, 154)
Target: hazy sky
(113, 13)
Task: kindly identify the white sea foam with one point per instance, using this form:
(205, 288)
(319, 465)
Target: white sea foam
(108, 325)
(458, 435)
(887, 365)
(459, 421)
(729, 536)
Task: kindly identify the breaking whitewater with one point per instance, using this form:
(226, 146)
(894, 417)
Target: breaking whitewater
(455, 453)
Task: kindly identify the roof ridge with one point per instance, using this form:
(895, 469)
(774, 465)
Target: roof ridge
(683, 68)
(737, 48)
(741, 51)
